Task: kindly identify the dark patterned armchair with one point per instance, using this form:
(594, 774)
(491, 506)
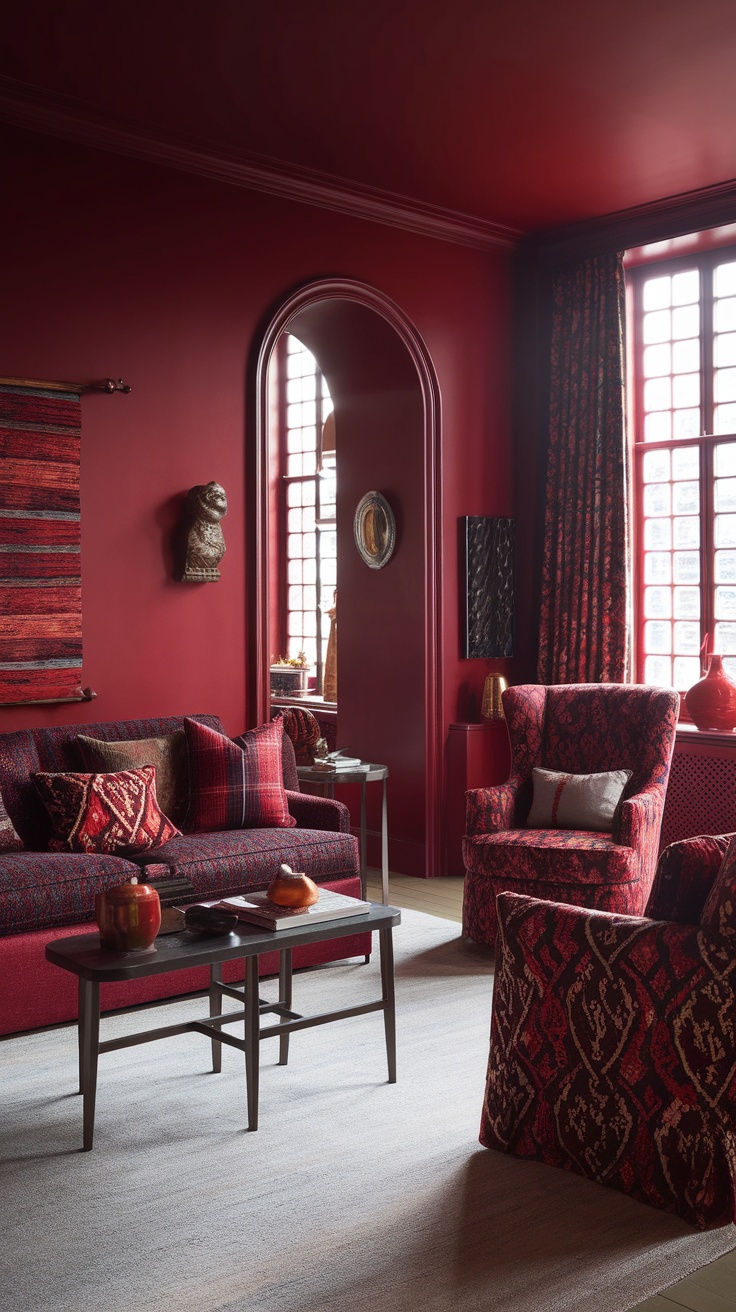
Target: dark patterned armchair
(580, 729)
(613, 1038)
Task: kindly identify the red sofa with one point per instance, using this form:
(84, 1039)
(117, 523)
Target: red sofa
(46, 895)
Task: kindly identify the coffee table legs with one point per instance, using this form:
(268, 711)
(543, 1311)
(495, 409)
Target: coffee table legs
(252, 1039)
(389, 998)
(88, 1030)
(215, 994)
(285, 976)
(89, 1047)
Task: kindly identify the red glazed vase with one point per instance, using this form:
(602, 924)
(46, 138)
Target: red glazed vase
(711, 702)
(128, 916)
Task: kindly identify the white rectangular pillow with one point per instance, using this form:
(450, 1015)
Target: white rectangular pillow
(576, 801)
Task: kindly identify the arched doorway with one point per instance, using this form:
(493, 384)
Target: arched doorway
(387, 407)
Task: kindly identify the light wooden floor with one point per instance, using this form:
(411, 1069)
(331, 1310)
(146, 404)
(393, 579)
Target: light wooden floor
(712, 1288)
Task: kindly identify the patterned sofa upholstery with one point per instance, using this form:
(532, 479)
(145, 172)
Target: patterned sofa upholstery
(613, 1042)
(578, 729)
(44, 893)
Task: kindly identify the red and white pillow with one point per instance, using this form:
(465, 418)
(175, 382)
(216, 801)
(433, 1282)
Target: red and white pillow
(576, 801)
(104, 813)
(236, 784)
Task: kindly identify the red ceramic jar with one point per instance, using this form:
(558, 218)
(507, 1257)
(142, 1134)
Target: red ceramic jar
(711, 702)
(128, 916)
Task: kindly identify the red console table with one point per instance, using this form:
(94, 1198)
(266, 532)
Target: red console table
(477, 755)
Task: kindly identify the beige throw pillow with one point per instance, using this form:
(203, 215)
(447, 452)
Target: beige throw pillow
(576, 801)
(168, 755)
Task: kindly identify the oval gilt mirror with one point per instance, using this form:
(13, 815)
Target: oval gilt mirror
(374, 528)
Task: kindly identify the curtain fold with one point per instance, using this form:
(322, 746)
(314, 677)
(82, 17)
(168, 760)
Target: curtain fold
(584, 630)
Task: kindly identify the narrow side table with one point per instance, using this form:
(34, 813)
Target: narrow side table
(374, 774)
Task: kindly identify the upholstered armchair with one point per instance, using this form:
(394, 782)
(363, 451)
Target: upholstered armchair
(575, 729)
(613, 1038)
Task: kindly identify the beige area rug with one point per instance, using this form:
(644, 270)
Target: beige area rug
(353, 1194)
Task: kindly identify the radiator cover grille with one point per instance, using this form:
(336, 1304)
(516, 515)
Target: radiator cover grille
(701, 794)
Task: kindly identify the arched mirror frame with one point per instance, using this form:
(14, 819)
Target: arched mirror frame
(310, 295)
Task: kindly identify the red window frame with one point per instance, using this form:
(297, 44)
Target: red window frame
(705, 261)
(323, 522)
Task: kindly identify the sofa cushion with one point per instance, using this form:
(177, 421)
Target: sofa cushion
(242, 859)
(18, 760)
(105, 813)
(168, 755)
(44, 890)
(236, 785)
(550, 856)
(56, 749)
(9, 840)
(719, 912)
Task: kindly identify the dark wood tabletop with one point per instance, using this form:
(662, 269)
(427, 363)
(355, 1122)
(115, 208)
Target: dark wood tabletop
(83, 956)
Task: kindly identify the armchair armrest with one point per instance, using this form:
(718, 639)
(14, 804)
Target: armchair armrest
(640, 818)
(312, 812)
(489, 810)
(613, 1042)
(684, 878)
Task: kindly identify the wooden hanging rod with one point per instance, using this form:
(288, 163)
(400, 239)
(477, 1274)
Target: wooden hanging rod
(86, 695)
(106, 385)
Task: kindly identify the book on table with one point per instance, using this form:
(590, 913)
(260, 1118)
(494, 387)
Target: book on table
(257, 909)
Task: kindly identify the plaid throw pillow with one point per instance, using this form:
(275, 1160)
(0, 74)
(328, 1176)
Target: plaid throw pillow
(104, 813)
(719, 912)
(236, 784)
(9, 840)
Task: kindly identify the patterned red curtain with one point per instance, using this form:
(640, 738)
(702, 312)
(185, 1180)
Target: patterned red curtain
(584, 613)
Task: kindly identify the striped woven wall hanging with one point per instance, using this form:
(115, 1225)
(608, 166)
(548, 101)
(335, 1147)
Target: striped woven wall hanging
(40, 563)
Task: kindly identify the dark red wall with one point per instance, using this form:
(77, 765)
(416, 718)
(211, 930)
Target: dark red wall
(115, 267)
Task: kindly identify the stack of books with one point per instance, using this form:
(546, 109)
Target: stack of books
(256, 909)
(173, 891)
(335, 762)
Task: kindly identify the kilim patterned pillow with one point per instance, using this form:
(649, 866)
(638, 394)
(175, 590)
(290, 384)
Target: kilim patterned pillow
(9, 840)
(303, 729)
(104, 813)
(236, 785)
(168, 755)
(719, 912)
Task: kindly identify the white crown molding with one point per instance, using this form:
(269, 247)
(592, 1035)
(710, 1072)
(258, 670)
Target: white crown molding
(62, 116)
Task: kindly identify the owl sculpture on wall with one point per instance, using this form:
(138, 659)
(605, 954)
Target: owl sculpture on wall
(202, 541)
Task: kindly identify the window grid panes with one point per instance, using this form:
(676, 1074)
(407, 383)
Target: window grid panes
(685, 406)
(309, 519)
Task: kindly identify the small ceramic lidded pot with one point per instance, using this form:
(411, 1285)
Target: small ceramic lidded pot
(128, 916)
(292, 889)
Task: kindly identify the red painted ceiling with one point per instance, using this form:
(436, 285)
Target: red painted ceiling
(531, 114)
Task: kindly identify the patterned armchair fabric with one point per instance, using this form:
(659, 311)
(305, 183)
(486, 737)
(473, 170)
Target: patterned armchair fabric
(578, 729)
(613, 1046)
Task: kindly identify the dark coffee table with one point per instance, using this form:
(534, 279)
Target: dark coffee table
(93, 966)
